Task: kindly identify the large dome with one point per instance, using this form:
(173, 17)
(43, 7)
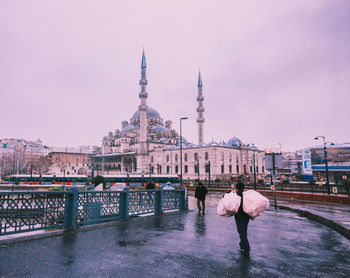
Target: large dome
(234, 142)
(151, 113)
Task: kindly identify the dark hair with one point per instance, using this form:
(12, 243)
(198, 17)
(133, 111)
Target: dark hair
(240, 186)
(200, 183)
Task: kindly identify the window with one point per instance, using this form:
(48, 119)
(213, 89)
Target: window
(151, 159)
(206, 156)
(207, 168)
(186, 169)
(251, 168)
(237, 169)
(263, 170)
(196, 168)
(222, 168)
(195, 156)
(159, 169)
(167, 158)
(176, 169)
(230, 168)
(257, 169)
(176, 158)
(222, 156)
(185, 157)
(167, 169)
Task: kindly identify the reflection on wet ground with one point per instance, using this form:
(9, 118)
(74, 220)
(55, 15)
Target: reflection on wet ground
(185, 245)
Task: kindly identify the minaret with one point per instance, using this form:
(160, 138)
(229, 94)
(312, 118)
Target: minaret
(143, 105)
(200, 109)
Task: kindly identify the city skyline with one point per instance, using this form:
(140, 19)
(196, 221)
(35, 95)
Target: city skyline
(272, 73)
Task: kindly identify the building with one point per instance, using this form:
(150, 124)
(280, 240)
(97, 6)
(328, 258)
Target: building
(20, 156)
(70, 161)
(148, 144)
(338, 157)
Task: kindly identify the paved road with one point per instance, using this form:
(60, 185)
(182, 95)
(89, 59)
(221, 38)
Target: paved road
(185, 245)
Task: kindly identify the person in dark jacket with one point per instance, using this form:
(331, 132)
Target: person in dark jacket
(200, 193)
(242, 220)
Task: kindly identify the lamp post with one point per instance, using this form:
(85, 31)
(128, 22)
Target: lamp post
(198, 169)
(326, 160)
(254, 165)
(181, 119)
(208, 170)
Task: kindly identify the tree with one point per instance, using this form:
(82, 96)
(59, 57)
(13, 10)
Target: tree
(99, 179)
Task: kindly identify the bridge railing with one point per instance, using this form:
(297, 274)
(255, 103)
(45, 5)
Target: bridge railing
(31, 211)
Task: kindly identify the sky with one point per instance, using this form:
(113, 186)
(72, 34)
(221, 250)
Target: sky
(275, 73)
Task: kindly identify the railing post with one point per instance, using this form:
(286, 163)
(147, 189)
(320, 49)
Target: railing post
(183, 200)
(158, 201)
(124, 203)
(71, 209)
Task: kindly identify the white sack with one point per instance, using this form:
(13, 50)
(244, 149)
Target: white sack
(232, 202)
(221, 209)
(254, 203)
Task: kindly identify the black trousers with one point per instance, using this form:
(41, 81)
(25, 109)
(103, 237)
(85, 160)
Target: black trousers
(242, 229)
(199, 204)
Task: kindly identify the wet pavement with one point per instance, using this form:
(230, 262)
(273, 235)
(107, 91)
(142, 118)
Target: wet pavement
(185, 245)
(337, 212)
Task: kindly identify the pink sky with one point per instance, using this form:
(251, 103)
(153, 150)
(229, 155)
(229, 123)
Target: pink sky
(273, 71)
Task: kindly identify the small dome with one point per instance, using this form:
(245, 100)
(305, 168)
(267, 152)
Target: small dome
(190, 146)
(151, 113)
(128, 128)
(234, 142)
(213, 143)
(202, 144)
(160, 128)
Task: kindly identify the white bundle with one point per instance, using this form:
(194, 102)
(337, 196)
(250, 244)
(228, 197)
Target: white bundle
(229, 205)
(254, 203)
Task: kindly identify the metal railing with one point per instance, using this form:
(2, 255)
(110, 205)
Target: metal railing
(31, 211)
(310, 188)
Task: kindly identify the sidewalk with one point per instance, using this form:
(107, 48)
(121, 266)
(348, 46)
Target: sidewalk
(185, 245)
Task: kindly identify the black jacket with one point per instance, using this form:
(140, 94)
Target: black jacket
(241, 215)
(201, 192)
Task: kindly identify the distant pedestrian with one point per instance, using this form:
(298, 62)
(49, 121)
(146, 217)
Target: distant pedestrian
(242, 220)
(150, 185)
(200, 193)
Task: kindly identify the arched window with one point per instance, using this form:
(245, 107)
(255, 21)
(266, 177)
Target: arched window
(222, 156)
(167, 158)
(206, 156)
(185, 156)
(230, 156)
(176, 157)
(195, 156)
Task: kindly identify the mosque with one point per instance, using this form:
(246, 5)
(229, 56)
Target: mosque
(147, 144)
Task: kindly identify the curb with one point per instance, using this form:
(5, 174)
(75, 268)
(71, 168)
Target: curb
(324, 221)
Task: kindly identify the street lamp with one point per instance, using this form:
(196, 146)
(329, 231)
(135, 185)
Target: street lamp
(208, 171)
(181, 119)
(254, 164)
(326, 160)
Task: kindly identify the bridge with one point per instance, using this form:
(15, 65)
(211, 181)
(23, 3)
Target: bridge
(186, 244)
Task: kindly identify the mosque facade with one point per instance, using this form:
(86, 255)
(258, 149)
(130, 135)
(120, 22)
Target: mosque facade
(147, 144)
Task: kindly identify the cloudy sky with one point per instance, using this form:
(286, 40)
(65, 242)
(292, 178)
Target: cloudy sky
(273, 71)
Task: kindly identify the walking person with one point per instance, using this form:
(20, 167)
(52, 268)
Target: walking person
(242, 220)
(200, 193)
